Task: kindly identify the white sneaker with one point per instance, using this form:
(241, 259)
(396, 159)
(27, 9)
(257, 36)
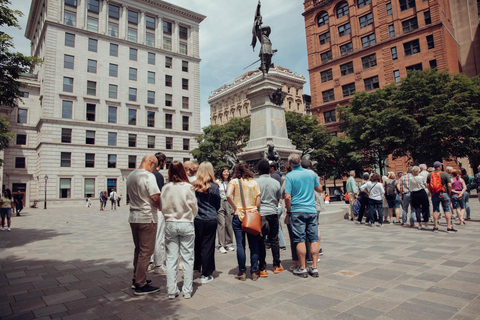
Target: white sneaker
(205, 280)
(222, 250)
(231, 248)
(3, 228)
(160, 270)
(9, 229)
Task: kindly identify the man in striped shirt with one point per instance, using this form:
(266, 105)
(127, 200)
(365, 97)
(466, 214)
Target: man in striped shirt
(406, 197)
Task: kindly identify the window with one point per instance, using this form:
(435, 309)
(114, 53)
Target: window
(168, 62)
(369, 61)
(93, 6)
(22, 116)
(151, 119)
(89, 187)
(90, 112)
(92, 66)
(24, 94)
(430, 42)
(368, 40)
(415, 67)
(409, 25)
(132, 117)
(366, 20)
(330, 116)
(326, 75)
(133, 54)
(67, 108)
(168, 100)
(90, 137)
(427, 17)
(185, 84)
(92, 24)
(150, 40)
(185, 66)
(65, 185)
(132, 17)
(322, 19)
(67, 84)
(167, 44)
(185, 103)
(151, 58)
(150, 22)
(65, 159)
(346, 49)
(114, 50)
(151, 97)
(433, 64)
(371, 83)
(348, 89)
(72, 3)
(185, 123)
(112, 114)
(391, 30)
(132, 162)
(151, 142)
(326, 56)
(113, 11)
(168, 162)
(92, 45)
(132, 140)
(91, 88)
(132, 74)
(362, 3)
(167, 27)
(344, 30)
(394, 53)
(20, 162)
(132, 35)
(21, 139)
(186, 144)
(396, 76)
(168, 121)
(70, 18)
(346, 68)
(113, 29)
(68, 61)
(168, 143)
(411, 47)
(132, 94)
(69, 40)
(328, 95)
(151, 77)
(112, 138)
(389, 9)
(113, 70)
(66, 135)
(342, 10)
(406, 4)
(324, 38)
(168, 81)
(182, 48)
(112, 161)
(183, 33)
(112, 91)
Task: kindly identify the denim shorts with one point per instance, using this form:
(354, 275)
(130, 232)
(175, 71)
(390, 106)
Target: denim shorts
(442, 198)
(394, 204)
(304, 225)
(458, 203)
(6, 212)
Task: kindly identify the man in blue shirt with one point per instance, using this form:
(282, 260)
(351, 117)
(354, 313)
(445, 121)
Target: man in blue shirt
(300, 185)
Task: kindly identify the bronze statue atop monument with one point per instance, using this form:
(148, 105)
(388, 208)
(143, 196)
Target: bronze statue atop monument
(262, 33)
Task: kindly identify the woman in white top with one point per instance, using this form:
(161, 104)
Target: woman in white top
(179, 208)
(374, 190)
(420, 203)
(225, 214)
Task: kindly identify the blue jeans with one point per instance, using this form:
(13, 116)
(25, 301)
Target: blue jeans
(442, 198)
(466, 196)
(252, 244)
(407, 202)
(375, 207)
(281, 238)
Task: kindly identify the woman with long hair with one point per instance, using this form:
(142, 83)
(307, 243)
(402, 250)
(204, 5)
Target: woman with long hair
(208, 201)
(466, 196)
(458, 190)
(179, 208)
(224, 214)
(374, 190)
(251, 193)
(6, 205)
(420, 205)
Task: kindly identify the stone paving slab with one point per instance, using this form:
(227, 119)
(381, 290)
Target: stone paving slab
(77, 264)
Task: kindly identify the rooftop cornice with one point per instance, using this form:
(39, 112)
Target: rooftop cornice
(197, 17)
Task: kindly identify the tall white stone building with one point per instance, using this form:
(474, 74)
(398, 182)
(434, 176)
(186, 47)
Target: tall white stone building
(119, 79)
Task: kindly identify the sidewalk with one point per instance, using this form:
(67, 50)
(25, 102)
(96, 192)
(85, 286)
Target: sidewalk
(76, 263)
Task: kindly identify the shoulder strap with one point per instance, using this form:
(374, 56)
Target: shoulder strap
(372, 187)
(241, 196)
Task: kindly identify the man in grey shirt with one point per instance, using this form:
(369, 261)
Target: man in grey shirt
(270, 194)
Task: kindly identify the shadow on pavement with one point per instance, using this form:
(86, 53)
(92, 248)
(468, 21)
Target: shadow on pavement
(20, 237)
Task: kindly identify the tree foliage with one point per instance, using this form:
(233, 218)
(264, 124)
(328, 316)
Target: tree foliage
(305, 131)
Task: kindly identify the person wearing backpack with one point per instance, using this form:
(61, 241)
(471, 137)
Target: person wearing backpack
(440, 186)
(476, 182)
(393, 198)
(419, 197)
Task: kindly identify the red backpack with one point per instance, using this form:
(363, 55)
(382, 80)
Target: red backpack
(436, 182)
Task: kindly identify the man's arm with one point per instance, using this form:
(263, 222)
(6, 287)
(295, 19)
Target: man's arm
(449, 187)
(156, 201)
(288, 201)
(318, 189)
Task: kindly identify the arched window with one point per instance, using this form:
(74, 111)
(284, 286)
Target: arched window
(342, 9)
(290, 105)
(322, 18)
(233, 113)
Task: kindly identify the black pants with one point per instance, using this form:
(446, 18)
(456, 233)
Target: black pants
(421, 205)
(270, 230)
(363, 205)
(205, 231)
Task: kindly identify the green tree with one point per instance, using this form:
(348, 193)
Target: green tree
(305, 131)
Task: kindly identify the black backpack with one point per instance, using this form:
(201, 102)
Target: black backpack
(390, 192)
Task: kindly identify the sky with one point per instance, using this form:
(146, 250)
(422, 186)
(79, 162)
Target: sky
(225, 37)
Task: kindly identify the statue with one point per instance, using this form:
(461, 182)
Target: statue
(277, 97)
(307, 154)
(262, 33)
(271, 154)
(231, 160)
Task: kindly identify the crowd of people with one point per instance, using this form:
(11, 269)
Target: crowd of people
(9, 203)
(178, 224)
(427, 192)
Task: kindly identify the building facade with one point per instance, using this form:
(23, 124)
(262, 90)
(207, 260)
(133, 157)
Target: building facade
(229, 101)
(119, 79)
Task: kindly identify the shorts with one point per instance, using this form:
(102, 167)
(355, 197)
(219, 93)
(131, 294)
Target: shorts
(304, 226)
(394, 204)
(442, 198)
(458, 203)
(6, 212)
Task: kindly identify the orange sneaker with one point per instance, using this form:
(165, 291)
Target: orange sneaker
(263, 274)
(278, 269)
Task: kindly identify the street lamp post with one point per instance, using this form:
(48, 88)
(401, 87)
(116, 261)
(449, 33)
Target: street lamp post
(46, 178)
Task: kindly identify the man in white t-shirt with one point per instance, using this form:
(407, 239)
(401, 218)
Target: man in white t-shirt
(144, 195)
(113, 200)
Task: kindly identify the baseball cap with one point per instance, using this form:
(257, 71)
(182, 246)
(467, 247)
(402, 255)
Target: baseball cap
(437, 164)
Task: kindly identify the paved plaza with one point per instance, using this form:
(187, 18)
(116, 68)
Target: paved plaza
(76, 263)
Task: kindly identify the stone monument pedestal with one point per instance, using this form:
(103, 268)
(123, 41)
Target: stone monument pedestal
(267, 123)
